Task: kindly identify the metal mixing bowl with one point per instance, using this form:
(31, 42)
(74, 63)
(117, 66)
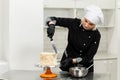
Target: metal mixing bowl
(78, 71)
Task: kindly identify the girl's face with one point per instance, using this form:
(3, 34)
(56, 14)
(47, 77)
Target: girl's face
(88, 25)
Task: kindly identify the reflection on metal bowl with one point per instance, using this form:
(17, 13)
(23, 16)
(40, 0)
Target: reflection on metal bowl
(78, 71)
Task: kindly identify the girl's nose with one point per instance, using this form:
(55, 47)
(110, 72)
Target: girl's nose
(86, 24)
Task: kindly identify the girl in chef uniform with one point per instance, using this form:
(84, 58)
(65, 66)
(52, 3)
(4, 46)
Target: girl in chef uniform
(83, 37)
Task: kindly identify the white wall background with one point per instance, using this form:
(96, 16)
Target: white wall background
(118, 24)
(1, 28)
(23, 33)
(5, 28)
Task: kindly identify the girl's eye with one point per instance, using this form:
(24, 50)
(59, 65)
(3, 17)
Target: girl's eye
(85, 20)
(91, 24)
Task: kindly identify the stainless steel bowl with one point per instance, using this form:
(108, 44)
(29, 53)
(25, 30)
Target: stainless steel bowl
(78, 71)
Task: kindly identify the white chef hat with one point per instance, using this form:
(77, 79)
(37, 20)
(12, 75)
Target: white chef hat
(94, 14)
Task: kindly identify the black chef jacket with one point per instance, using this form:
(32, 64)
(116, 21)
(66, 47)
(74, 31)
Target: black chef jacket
(81, 43)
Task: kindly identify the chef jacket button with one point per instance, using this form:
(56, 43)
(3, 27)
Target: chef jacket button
(80, 54)
(95, 42)
(83, 30)
(80, 51)
(84, 44)
(89, 36)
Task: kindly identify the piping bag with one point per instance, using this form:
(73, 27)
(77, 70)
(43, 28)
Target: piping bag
(53, 45)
